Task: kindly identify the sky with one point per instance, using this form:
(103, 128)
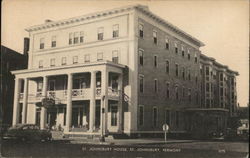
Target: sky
(222, 25)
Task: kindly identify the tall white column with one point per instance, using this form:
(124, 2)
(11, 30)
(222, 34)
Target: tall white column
(92, 104)
(25, 100)
(120, 92)
(43, 109)
(69, 103)
(104, 101)
(16, 107)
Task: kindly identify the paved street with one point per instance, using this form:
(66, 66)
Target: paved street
(137, 148)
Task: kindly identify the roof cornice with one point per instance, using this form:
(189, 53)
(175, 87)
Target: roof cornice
(141, 8)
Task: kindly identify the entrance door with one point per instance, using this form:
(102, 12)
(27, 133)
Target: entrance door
(113, 118)
(51, 119)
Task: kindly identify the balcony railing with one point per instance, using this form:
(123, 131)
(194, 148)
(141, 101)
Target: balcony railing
(76, 94)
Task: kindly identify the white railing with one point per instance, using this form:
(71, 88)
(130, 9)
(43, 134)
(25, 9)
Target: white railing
(98, 92)
(76, 94)
(113, 92)
(81, 93)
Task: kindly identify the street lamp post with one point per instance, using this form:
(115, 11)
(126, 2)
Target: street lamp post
(102, 138)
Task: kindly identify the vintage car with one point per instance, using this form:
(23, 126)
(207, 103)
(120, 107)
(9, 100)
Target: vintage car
(28, 132)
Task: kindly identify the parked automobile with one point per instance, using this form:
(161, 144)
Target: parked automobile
(28, 132)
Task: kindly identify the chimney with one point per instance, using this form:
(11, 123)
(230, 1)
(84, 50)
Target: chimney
(26, 45)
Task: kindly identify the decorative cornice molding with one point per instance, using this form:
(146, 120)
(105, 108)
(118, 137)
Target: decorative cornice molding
(141, 8)
(206, 60)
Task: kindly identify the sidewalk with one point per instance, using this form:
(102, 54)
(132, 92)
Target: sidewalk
(145, 141)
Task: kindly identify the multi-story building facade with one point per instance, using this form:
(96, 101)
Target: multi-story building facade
(124, 70)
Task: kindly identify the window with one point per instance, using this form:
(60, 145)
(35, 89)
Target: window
(196, 97)
(63, 60)
(114, 110)
(52, 62)
(141, 115)
(41, 43)
(189, 95)
(39, 86)
(64, 116)
(40, 64)
(177, 115)
(167, 117)
(176, 93)
(76, 37)
(189, 55)
(155, 116)
(155, 61)
(167, 91)
(141, 83)
(53, 41)
(176, 70)
(189, 75)
(115, 57)
(75, 59)
(195, 58)
(167, 66)
(155, 85)
(70, 38)
(100, 33)
(176, 48)
(141, 57)
(81, 37)
(207, 87)
(196, 79)
(221, 77)
(183, 92)
(86, 58)
(115, 31)
(155, 37)
(141, 30)
(167, 43)
(99, 56)
(182, 51)
(183, 73)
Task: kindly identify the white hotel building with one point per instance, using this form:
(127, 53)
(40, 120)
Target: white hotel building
(91, 66)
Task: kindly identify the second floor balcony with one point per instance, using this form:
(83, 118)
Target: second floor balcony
(60, 96)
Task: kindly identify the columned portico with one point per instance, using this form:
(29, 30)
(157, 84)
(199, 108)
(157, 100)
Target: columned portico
(16, 107)
(25, 100)
(104, 101)
(69, 103)
(120, 90)
(43, 109)
(92, 102)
